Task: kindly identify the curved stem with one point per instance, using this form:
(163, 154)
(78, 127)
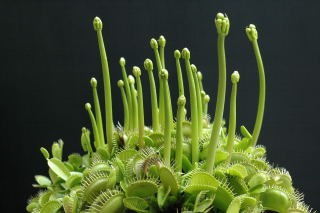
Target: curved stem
(137, 74)
(106, 81)
(194, 110)
(262, 94)
(97, 110)
(122, 63)
(97, 142)
(179, 135)
(233, 113)
(125, 105)
(148, 65)
(199, 101)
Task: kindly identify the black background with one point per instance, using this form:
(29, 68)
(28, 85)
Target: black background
(49, 53)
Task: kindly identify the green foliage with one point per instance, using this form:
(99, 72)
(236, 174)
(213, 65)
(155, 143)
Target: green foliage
(185, 165)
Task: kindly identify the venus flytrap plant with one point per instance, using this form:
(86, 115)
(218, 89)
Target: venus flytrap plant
(135, 172)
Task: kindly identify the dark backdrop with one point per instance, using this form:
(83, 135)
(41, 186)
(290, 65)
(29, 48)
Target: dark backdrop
(49, 53)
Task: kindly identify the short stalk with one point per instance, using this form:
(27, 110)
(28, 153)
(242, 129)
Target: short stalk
(148, 65)
(137, 73)
(235, 77)
(97, 141)
(97, 110)
(252, 34)
(162, 44)
(194, 110)
(199, 101)
(125, 105)
(97, 24)
(122, 63)
(222, 25)
(177, 56)
(206, 100)
(134, 102)
(179, 135)
(199, 74)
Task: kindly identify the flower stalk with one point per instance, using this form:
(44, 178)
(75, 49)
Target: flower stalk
(222, 26)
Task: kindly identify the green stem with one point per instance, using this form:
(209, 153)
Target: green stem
(168, 124)
(233, 113)
(222, 25)
(179, 73)
(125, 105)
(134, 102)
(179, 136)
(137, 74)
(162, 44)
(122, 63)
(199, 74)
(97, 142)
(97, 110)
(253, 37)
(97, 23)
(194, 110)
(199, 101)
(154, 46)
(148, 65)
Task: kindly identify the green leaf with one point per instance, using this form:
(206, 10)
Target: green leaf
(136, 204)
(57, 148)
(51, 207)
(45, 153)
(42, 180)
(162, 195)
(59, 168)
(75, 159)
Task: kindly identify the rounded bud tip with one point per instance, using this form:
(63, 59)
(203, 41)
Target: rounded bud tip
(193, 68)
(199, 75)
(87, 106)
(203, 93)
(162, 41)
(148, 65)
(182, 100)
(186, 53)
(222, 24)
(120, 83)
(164, 74)
(153, 43)
(177, 54)
(93, 82)
(131, 79)
(136, 71)
(252, 32)
(97, 23)
(235, 77)
(83, 130)
(207, 98)
(122, 62)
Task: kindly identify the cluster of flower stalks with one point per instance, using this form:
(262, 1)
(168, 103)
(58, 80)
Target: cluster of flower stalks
(182, 163)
